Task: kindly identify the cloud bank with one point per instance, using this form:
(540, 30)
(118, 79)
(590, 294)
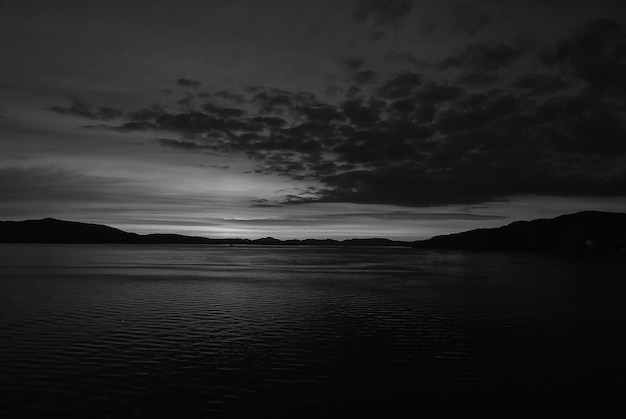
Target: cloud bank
(409, 139)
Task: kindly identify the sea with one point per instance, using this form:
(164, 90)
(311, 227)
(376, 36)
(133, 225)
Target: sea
(139, 331)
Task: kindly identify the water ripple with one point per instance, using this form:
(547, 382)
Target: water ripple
(147, 330)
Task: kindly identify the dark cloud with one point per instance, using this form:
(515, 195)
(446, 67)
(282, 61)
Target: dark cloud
(188, 83)
(133, 126)
(484, 57)
(405, 58)
(222, 112)
(382, 145)
(481, 65)
(146, 114)
(233, 97)
(376, 36)
(352, 64)
(582, 124)
(595, 53)
(353, 91)
(478, 79)
(454, 121)
(400, 86)
(415, 141)
(403, 107)
(425, 113)
(469, 18)
(364, 77)
(189, 122)
(264, 203)
(266, 122)
(272, 100)
(541, 84)
(86, 110)
(183, 145)
(321, 113)
(381, 12)
(362, 113)
(504, 105)
(332, 91)
(186, 101)
(433, 92)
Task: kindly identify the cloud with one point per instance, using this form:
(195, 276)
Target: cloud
(183, 145)
(381, 12)
(413, 141)
(266, 122)
(478, 79)
(222, 112)
(469, 19)
(216, 119)
(405, 58)
(484, 57)
(582, 124)
(435, 93)
(481, 65)
(233, 97)
(362, 113)
(352, 64)
(401, 85)
(277, 101)
(321, 113)
(86, 110)
(453, 120)
(375, 36)
(541, 84)
(264, 203)
(188, 83)
(364, 77)
(130, 126)
(594, 53)
(145, 114)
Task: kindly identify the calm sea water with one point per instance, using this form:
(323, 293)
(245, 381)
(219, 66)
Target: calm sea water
(195, 331)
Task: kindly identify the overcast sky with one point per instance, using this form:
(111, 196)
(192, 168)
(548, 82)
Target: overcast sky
(292, 118)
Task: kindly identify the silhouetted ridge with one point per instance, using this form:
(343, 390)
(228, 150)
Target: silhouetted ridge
(589, 231)
(50, 230)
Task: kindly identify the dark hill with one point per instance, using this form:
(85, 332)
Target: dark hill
(589, 231)
(50, 230)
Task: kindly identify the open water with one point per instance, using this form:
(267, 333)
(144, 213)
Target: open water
(205, 331)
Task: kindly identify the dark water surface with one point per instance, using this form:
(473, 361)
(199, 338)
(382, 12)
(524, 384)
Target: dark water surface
(195, 331)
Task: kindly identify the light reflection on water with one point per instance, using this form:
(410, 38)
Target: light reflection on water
(132, 330)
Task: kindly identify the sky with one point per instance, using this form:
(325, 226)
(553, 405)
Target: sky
(311, 119)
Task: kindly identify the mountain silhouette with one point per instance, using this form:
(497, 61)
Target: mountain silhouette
(50, 230)
(583, 231)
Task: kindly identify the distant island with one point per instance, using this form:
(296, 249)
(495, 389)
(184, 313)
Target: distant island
(590, 231)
